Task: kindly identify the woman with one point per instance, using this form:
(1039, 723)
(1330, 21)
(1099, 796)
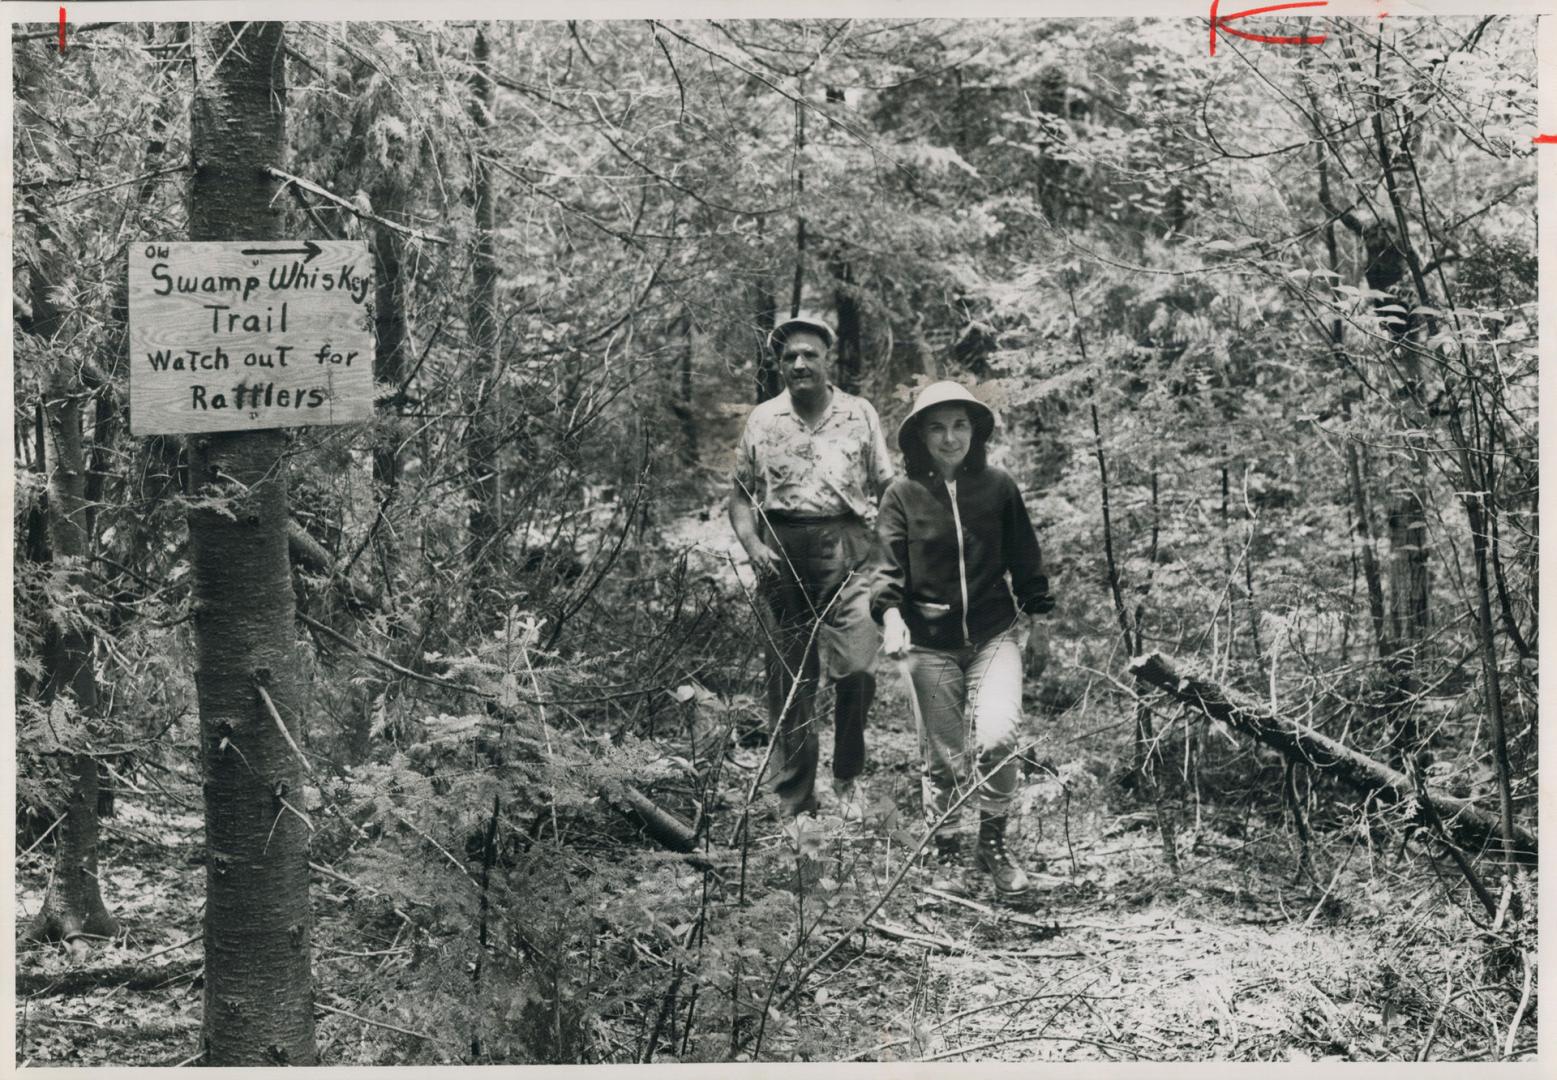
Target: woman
(960, 567)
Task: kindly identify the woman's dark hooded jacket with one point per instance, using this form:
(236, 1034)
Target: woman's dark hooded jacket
(954, 593)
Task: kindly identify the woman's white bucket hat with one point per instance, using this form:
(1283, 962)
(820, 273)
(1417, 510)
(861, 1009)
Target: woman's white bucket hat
(942, 393)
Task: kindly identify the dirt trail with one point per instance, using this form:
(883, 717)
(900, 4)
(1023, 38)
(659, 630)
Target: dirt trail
(1115, 960)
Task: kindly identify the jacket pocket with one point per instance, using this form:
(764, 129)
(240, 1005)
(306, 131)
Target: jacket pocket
(936, 626)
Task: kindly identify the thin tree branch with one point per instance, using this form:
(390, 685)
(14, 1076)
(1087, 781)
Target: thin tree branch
(351, 207)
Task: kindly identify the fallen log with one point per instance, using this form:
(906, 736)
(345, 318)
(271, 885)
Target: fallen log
(1469, 825)
(134, 976)
(655, 822)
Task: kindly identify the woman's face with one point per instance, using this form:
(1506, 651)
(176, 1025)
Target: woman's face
(948, 433)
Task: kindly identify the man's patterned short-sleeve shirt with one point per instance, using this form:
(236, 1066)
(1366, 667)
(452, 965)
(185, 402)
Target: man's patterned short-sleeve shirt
(839, 465)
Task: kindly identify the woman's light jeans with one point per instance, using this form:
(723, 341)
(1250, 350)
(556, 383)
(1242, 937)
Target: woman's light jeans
(970, 708)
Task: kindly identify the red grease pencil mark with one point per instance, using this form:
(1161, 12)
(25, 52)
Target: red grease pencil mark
(1219, 23)
(1544, 140)
(62, 31)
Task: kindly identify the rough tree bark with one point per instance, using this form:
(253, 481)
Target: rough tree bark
(74, 903)
(1469, 825)
(258, 985)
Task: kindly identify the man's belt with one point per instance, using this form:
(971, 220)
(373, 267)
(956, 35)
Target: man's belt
(789, 517)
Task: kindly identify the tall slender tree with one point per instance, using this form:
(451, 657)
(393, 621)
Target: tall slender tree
(74, 906)
(258, 984)
(481, 438)
(846, 302)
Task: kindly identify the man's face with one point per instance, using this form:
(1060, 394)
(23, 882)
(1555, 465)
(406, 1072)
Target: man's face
(805, 362)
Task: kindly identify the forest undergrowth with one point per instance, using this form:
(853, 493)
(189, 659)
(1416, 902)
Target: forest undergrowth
(565, 933)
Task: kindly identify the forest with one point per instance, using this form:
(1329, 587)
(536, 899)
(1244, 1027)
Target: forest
(439, 736)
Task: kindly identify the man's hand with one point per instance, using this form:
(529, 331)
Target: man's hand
(766, 561)
(743, 518)
(894, 634)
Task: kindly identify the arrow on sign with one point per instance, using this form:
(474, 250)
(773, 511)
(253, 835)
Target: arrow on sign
(309, 250)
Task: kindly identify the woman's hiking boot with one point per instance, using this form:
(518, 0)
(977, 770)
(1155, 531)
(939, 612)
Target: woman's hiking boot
(991, 856)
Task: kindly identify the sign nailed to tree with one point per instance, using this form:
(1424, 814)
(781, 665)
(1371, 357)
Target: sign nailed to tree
(245, 334)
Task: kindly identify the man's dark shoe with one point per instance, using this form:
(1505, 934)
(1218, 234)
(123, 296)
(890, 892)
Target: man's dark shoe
(944, 861)
(1010, 880)
(809, 806)
(852, 798)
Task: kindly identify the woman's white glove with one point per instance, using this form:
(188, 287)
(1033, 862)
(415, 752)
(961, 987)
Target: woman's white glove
(894, 634)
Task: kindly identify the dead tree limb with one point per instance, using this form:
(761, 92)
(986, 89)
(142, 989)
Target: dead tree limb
(657, 823)
(1470, 826)
(309, 554)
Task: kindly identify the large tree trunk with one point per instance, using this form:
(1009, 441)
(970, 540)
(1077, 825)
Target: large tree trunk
(1049, 184)
(1469, 825)
(258, 985)
(1477, 487)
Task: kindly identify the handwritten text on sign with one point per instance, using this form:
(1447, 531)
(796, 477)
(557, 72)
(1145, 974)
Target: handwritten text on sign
(249, 334)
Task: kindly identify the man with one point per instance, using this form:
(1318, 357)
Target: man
(809, 468)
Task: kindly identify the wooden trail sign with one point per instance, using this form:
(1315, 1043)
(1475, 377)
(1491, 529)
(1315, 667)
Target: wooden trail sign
(237, 335)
